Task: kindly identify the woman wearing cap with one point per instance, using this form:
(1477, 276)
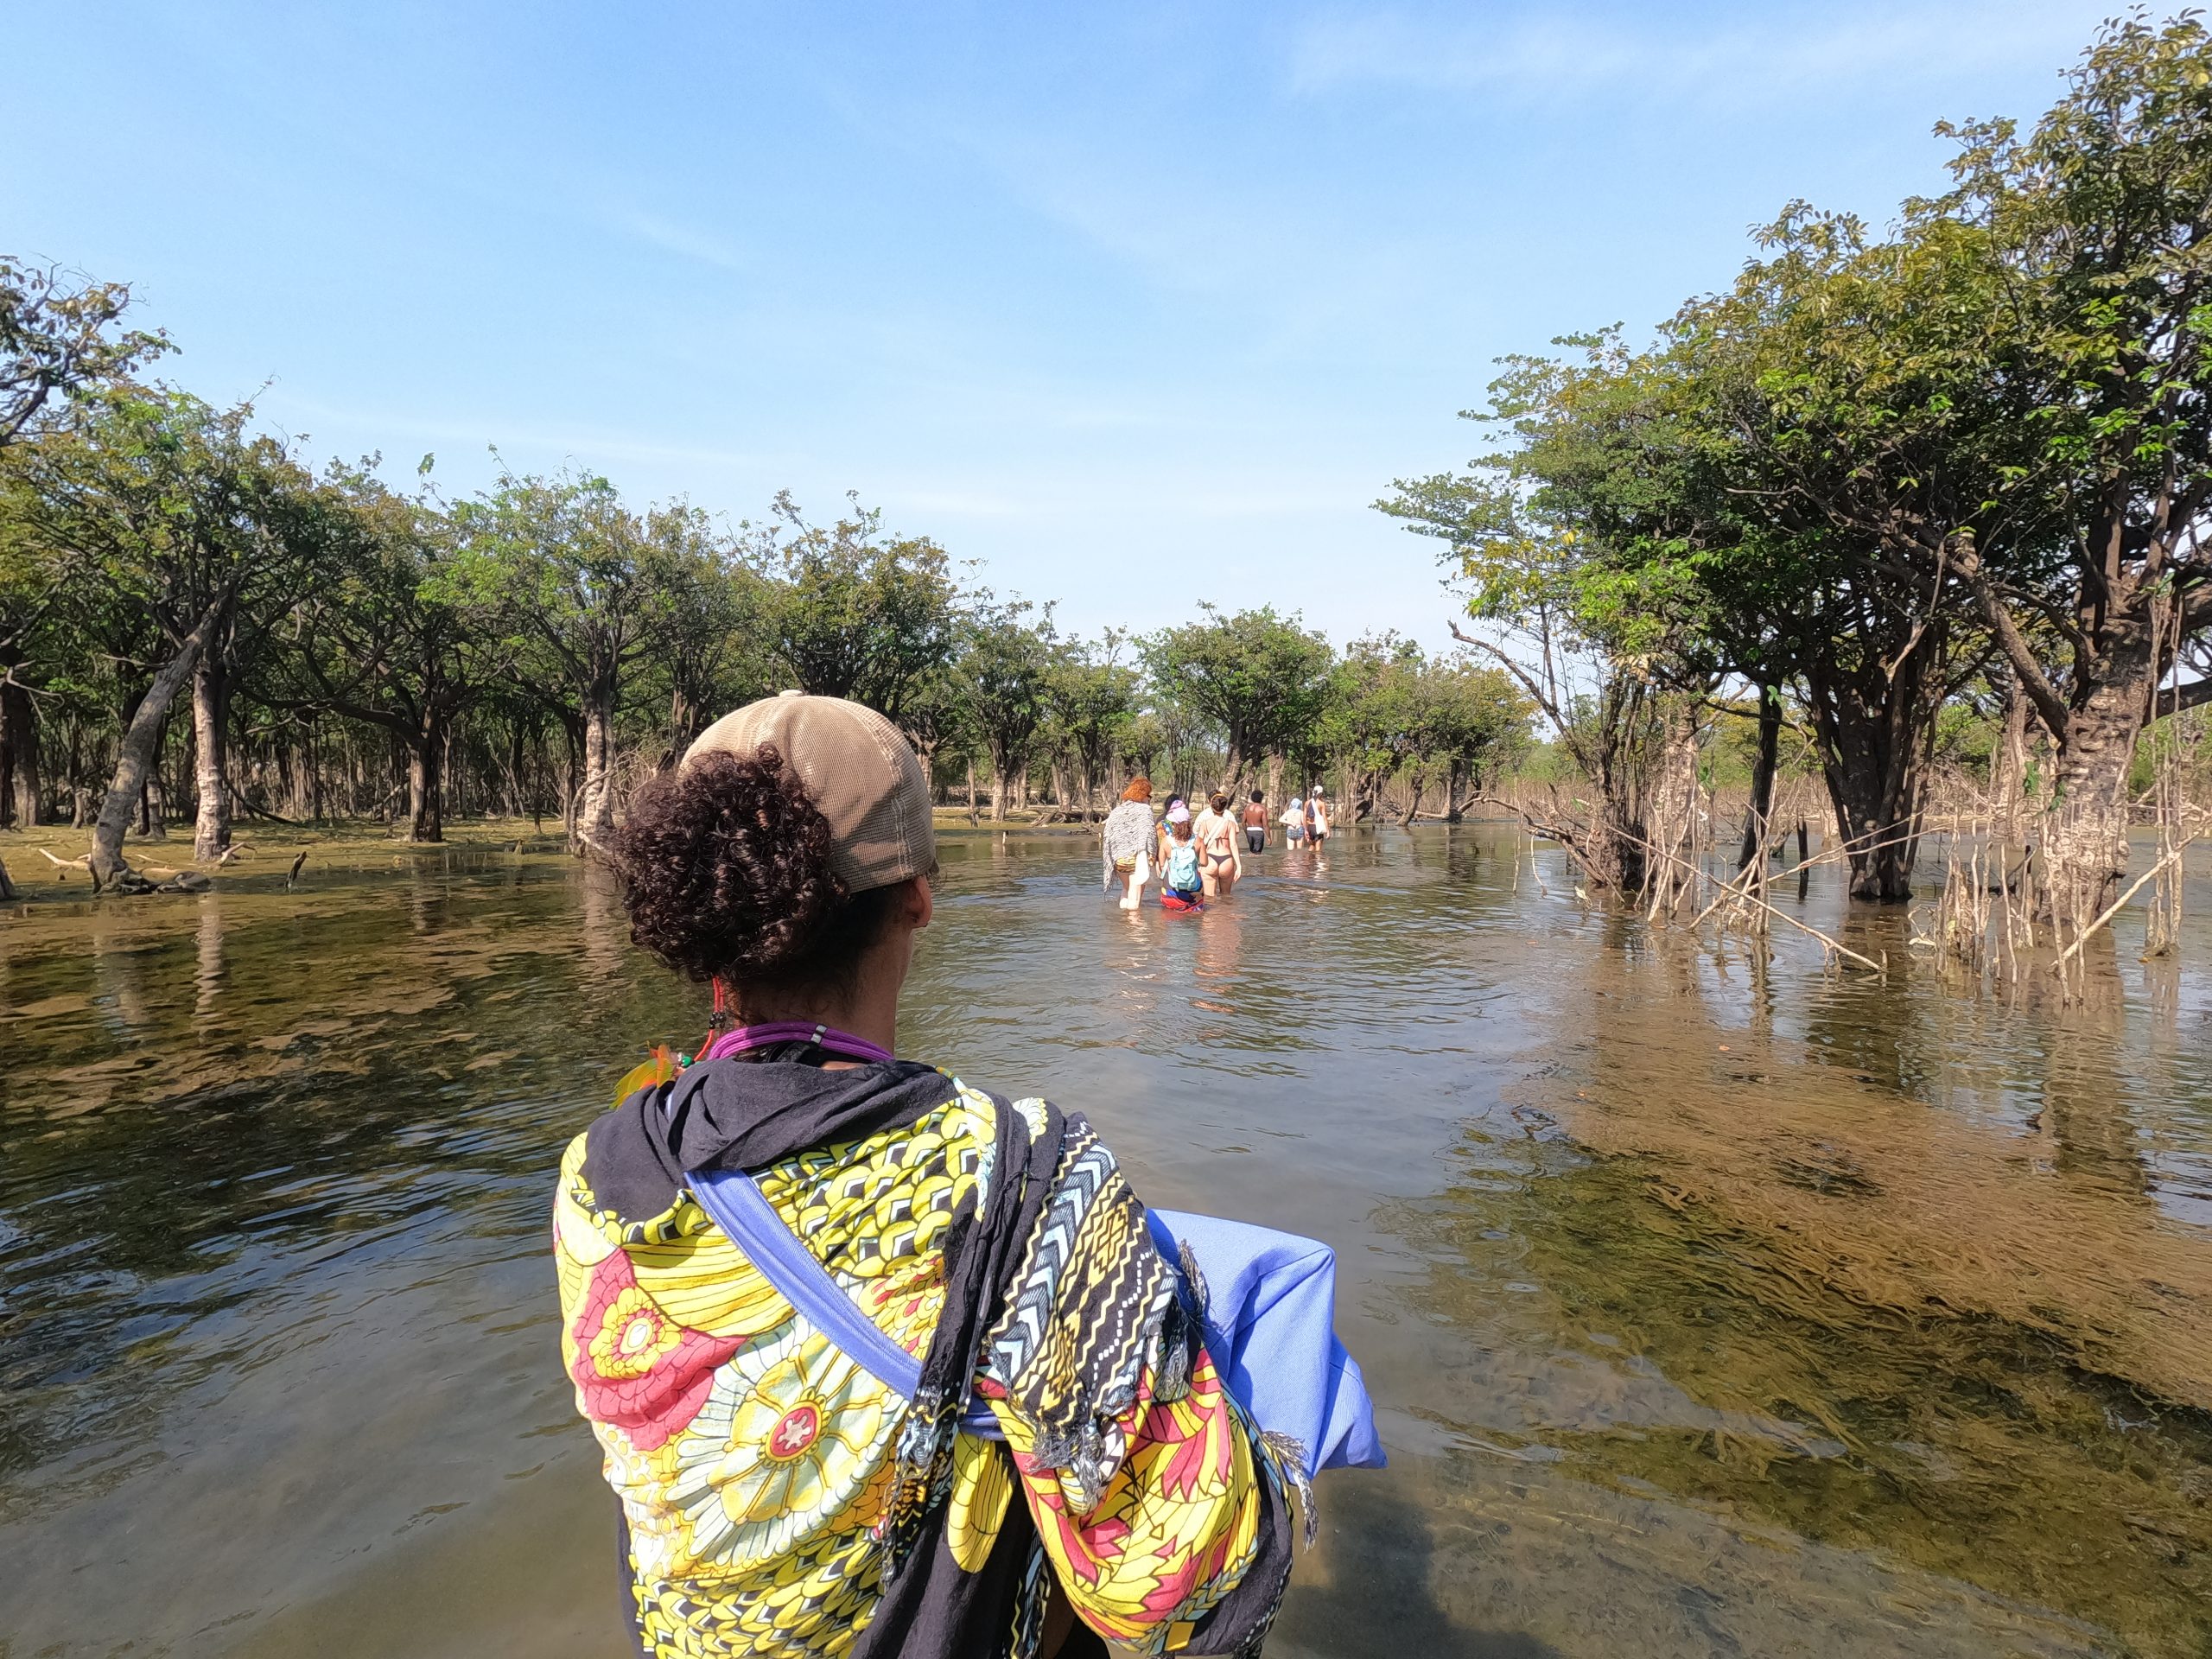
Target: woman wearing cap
(1127, 841)
(879, 1363)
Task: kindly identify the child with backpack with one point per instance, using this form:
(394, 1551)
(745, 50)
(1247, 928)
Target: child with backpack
(1181, 886)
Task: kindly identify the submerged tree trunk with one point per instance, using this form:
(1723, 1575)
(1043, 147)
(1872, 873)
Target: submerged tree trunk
(426, 750)
(2008, 768)
(1274, 780)
(1763, 768)
(2132, 624)
(211, 720)
(1873, 727)
(2085, 833)
(595, 822)
(133, 761)
(1670, 871)
(19, 757)
(971, 791)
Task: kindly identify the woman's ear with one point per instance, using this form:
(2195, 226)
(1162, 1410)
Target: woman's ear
(918, 905)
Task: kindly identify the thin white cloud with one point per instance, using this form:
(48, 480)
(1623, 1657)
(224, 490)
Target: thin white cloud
(707, 249)
(468, 435)
(1561, 55)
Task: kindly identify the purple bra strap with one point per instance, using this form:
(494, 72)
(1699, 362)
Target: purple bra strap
(828, 1039)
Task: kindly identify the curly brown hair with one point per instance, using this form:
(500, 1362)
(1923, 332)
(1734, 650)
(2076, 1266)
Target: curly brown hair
(725, 869)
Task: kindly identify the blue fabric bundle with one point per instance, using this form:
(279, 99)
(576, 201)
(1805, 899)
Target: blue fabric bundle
(1270, 1313)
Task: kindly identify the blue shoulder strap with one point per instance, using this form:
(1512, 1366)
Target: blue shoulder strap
(742, 1211)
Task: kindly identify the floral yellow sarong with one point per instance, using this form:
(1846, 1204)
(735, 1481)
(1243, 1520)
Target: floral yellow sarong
(756, 1463)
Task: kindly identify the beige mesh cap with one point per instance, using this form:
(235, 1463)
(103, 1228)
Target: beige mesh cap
(861, 773)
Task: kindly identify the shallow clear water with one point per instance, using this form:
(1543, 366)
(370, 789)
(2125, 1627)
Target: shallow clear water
(1711, 1306)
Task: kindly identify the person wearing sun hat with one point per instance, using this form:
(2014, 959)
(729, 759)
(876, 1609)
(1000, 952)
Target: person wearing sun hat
(880, 1363)
(1180, 878)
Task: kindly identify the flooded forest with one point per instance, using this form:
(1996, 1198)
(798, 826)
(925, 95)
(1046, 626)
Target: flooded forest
(1749, 1043)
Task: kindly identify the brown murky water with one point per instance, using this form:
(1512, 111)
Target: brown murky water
(1710, 1306)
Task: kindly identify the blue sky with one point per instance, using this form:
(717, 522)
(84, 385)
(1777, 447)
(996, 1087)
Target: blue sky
(1136, 305)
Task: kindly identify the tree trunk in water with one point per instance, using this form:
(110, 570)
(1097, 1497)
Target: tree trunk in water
(19, 790)
(2085, 832)
(2008, 770)
(1669, 871)
(594, 823)
(211, 720)
(1769, 751)
(1613, 847)
(998, 791)
(425, 790)
(135, 755)
(1873, 733)
(1274, 782)
(971, 791)
(514, 786)
(572, 786)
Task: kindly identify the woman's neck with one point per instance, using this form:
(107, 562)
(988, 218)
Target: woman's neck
(873, 1019)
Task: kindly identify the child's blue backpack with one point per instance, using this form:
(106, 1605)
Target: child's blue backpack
(1183, 867)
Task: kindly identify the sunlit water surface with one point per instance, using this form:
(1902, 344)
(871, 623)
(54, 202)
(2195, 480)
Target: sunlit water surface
(1711, 1306)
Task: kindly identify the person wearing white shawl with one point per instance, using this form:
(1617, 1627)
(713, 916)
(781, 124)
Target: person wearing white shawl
(1127, 841)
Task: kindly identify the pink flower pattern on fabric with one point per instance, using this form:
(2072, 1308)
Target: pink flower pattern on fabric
(636, 1368)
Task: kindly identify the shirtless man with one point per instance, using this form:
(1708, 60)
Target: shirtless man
(1219, 861)
(1255, 824)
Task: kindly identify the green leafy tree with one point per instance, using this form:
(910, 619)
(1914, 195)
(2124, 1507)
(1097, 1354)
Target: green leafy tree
(853, 613)
(937, 715)
(1257, 677)
(710, 657)
(395, 639)
(60, 337)
(584, 588)
(1092, 697)
(182, 519)
(1007, 661)
(1564, 543)
(2093, 226)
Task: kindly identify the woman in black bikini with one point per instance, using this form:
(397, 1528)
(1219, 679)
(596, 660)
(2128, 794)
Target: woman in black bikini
(1220, 862)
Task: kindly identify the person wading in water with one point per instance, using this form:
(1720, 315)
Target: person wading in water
(1220, 862)
(879, 1363)
(1255, 824)
(1164, 832)
(1127, 839)
(1181, 877)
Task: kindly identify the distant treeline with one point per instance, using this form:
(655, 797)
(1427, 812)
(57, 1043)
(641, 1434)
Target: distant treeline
(1952, 477)
(194, 626)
